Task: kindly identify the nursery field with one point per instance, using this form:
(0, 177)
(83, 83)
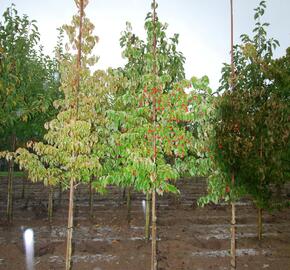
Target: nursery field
(92, 158)
(191, 237)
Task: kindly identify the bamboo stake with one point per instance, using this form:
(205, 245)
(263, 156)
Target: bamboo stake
(260, 210)
(233, 237)
(91, 198)
(68, 262)
(154, 216)
(147, 217)
(9, 210)
(260, 226)
(59, 194)
(129, 205)
(154, 233)
(233, 206)
(23, 186)
(50, 204)
(72, 181)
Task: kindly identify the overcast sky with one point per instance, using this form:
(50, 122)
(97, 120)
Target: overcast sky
(203, 26)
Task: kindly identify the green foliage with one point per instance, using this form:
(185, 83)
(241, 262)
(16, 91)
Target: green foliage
(27, 82)
(153, 88)
(251, 126)
(72, 145)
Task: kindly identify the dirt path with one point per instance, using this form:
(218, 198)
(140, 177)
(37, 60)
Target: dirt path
(190, 238)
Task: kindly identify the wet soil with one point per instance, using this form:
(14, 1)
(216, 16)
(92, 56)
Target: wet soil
(189, 238)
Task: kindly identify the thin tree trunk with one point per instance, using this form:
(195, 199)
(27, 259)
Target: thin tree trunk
(147, 217)
(59, 194)
(260, 211)
(233, 237)
(260, 223)
(129, 205)
(23, 186)
(121, 197)
(154, 178)
(154, 232)
(50, 204)
(233, 206)
(9, 210)
(68, 262)
(124, 195)
(91, 198)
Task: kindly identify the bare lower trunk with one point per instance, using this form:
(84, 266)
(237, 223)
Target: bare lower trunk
(260, 223)
(23, 186)
(147, 217)
(59, 194)
(50, 204)
(154, 233)
(233, 237)
(68, 261)
(232, 86)
(129, 205)
(91, 199)
(124, 195)
(9, 210)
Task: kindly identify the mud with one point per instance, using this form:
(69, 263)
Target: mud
(189, 238)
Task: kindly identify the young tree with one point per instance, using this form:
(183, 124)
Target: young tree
(27, 86)
(250, 127)
(263, 116)
(71, 150)
(150, 116)
(135, 51)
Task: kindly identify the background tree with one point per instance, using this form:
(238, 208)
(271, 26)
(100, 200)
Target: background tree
(27, 86)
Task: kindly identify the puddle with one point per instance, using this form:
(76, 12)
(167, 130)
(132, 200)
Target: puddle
(224, 236)
(225, 253)
(84, 258)
(137, 228)
(144, 206)
(237, 204)
(111, 239)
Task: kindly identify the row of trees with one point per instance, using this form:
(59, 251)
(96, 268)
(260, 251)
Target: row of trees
(131, 127)
(143, 125)
(28, 86)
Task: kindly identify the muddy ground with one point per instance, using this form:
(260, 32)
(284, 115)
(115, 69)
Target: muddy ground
(189, 238)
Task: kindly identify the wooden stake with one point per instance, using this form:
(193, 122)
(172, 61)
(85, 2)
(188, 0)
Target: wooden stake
(154, 216)
(9, 210)
(154, 232)
(260, 223)
(129, 205)
(68, 262)
(91, 198)
(233, 206)
(260, 211)
(233, 237)
(147, 217)
(50, 204)
(59, 194)
(23, 186)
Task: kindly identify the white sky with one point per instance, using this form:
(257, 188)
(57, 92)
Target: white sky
(203, 26)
